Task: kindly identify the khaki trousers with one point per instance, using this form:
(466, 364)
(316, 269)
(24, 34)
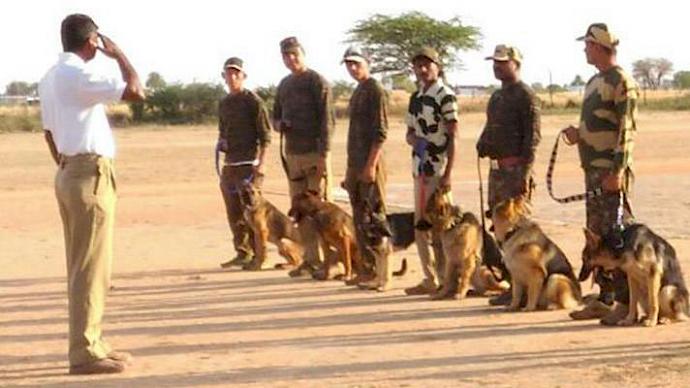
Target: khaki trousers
(432, 265)
(303, 177)
(86, 196)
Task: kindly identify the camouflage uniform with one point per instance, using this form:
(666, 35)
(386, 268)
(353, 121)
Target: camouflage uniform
(510, 139)
(368, 126)
(607, 127)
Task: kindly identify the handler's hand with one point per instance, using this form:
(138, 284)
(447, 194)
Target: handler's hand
(571, 135)
(612, 182)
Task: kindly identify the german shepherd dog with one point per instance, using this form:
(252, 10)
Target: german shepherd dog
(462, 239)
(335, 228)
(270, 224)
(536, 264)
(655, 280)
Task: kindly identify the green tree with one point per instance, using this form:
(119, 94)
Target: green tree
(21, 88)
(650, 71)
(393, 40)
(155, 81)
(682, 79)
(268, 94)
(577, 81)
(342, 89)
(401, 82)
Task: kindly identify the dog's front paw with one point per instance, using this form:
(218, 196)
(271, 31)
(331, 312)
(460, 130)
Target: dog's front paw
(649, 322)
(665, 320)
(626, 322)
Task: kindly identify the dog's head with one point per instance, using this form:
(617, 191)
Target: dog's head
(249, 195)
(506, 215)
(441, 211)
(304, 204)
(596, 253)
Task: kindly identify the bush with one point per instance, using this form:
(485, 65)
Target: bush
(180, 104)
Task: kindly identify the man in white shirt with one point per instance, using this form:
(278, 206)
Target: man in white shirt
(81, 143)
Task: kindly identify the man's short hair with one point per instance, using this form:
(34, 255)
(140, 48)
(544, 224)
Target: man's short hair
(75, 31)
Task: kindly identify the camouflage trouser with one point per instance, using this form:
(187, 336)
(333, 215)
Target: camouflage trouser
(602, 213)
(506, 183)
(369, 214)
(510, 182)
(242, 236)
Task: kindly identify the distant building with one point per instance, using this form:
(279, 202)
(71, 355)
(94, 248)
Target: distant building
(18, 100)
(471, 90)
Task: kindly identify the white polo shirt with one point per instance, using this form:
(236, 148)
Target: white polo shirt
(72, 107)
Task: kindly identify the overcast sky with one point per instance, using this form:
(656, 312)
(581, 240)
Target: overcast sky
(188, 41)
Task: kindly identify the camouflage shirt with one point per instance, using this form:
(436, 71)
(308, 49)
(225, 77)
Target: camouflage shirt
(303, 105)
(368, 112)
(427, 113)
(607, 123)
(243, 123)
(512, 124)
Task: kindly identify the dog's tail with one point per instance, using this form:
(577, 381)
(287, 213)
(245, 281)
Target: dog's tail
(674, 303)
(403, 268)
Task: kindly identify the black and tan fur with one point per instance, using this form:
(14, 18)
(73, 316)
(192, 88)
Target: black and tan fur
(270, 224)
(538, 267)
(655, 280)
(335, 228)
(461, 239)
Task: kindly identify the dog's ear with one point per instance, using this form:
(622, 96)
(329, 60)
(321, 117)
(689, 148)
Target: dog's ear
(592, 239)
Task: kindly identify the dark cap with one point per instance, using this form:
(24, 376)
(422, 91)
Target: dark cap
(427, 52)
(599, 33)
(234, 63)
(290, 44)
(355, 54)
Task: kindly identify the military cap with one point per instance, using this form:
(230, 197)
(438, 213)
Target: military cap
(503, 53)
(599, 33)
(234, 63)
(290, 44)
(429, 53)
(355, 54)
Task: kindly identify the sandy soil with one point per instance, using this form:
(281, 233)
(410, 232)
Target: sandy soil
(187, 322)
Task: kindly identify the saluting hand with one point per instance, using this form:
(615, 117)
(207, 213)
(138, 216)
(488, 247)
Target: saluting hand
(110, 49)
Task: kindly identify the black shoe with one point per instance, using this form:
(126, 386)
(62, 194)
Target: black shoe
(305, 269)
(502, 300)
(239, 261)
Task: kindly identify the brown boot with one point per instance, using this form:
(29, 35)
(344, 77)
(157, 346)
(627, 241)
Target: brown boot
(102, 366)
(420, 289)
(593, 310)
(617, 314)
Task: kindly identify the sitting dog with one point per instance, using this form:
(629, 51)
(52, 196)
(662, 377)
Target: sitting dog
(335, 228)
(655, 280)
(536, 264)
(270, 224)
(462, 240)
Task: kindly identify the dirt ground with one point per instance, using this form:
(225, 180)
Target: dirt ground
(187, 322)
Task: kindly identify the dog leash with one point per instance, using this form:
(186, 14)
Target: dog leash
(481, 192)
(549, 179)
